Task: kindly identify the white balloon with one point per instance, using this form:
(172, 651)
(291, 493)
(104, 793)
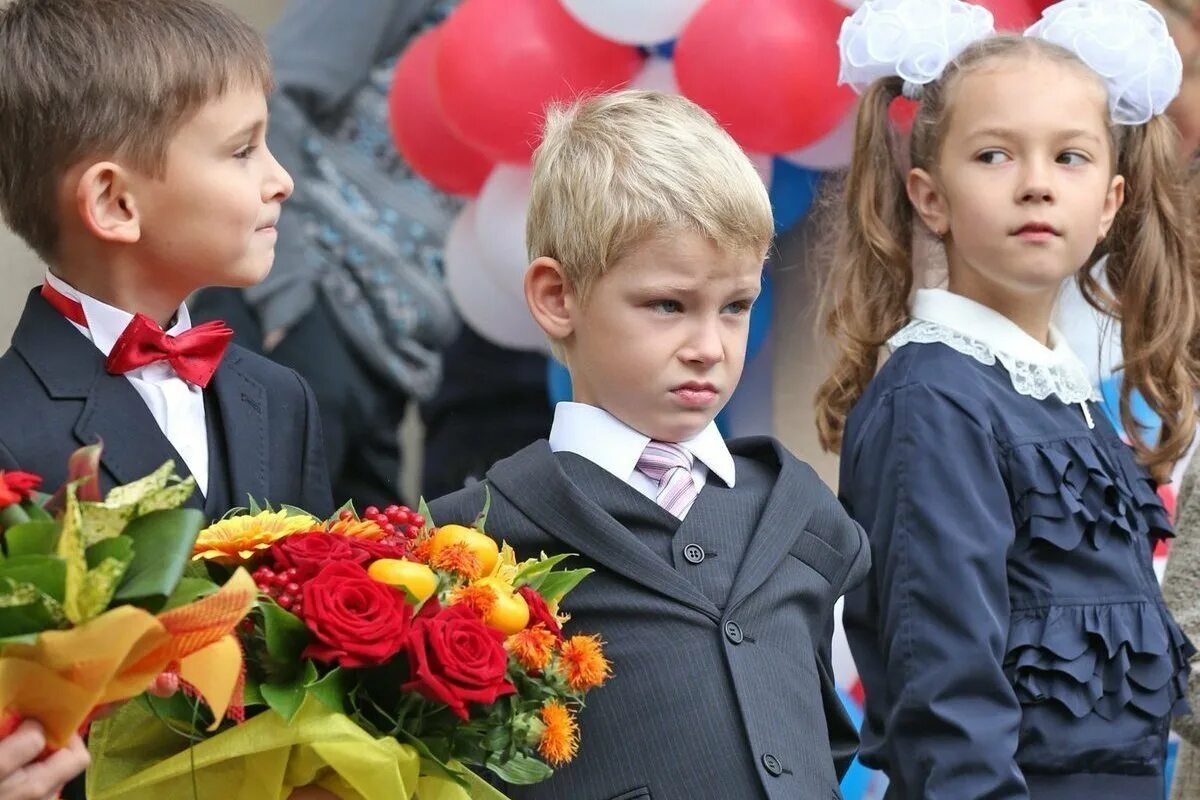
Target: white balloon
(850, 4)
(764, 166)
(634, 21)
(658, 74)
(490, 311)
(833, 151)
(500, 214)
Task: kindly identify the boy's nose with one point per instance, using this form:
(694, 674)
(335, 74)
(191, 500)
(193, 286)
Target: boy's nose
(279, 184)
(705, 346)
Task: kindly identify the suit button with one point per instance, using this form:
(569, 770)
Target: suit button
(694, 553)
(733, 632)
(771, 765)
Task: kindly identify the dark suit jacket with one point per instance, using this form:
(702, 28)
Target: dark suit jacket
(55, 396)
(705, 703)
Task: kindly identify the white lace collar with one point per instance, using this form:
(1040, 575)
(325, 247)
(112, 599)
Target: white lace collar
(985, 335)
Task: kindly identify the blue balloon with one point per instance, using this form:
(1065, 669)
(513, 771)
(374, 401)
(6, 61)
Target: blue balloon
(760, 317)
(664, 49)
(792, 192)
(1110, 390)
(858, 778)
(558, 382)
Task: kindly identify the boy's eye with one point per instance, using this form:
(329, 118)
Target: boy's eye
(992, 157)
(738, 307)
(245, 151)
(1073, 159)
(667, 306)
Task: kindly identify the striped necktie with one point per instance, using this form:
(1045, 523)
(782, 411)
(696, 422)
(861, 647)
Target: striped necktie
(670, 466)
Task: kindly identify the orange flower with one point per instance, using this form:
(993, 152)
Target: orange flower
(357, 528)
(457, 558)
(584, 663)
(420, 550)
(532, 647)
(560, 739)
(480, 599)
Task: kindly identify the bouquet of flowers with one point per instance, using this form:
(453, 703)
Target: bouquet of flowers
(93, 603)
(384, 656)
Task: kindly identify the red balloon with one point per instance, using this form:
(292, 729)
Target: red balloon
(1013, 16)
(766, 69)
(500, 63)
(419, 127)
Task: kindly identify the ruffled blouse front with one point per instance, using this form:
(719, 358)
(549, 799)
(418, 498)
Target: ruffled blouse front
(1012, 639)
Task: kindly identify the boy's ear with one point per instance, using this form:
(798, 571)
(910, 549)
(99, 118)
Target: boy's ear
(926, 197)
(551, 300)
(105, 203)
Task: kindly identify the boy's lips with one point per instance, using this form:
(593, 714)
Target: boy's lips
(695, 394)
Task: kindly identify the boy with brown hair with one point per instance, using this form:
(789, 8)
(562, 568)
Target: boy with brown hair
(133, 161)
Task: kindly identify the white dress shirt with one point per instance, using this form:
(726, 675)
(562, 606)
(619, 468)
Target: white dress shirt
(176, 405)
(610, 444)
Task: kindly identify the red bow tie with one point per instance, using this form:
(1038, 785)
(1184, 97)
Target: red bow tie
(194, 354)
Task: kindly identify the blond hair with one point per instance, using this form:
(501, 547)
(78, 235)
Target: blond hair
(1151, 265)
(615, 170)
(106, 79)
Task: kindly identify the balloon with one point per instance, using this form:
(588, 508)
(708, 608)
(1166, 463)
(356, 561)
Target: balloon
(500, 216)
(500, 63)
(1013, 15)
(633, 21)
(658, 75)
(850, 4)
(831, 152)
(760, 317)
(764, 165)
(421, 133)
(490, 311)
(766, 69)
(792, 192)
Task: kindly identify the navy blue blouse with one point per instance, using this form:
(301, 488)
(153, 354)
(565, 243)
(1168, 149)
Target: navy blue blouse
(1012, 638)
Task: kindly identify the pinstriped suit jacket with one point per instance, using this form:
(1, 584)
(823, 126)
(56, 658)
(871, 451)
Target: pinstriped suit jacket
(706, 703)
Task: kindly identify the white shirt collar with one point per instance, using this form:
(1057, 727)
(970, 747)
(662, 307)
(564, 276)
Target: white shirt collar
(106, 323)
(601, 438)
(987, 335)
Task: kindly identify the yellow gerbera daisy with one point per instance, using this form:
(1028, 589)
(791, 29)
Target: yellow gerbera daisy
(560, 739)
(357, 529)
(237, 539)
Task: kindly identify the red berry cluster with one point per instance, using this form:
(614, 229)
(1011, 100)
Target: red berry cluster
(395, 520)
(281, 586)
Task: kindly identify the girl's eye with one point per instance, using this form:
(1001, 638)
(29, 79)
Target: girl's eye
(667, 306)
(245, 151)
(1073, 159)
(992, 157)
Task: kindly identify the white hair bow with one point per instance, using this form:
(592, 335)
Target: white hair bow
(1124, 41)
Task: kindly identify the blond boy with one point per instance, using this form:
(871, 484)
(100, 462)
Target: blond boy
(717, 564)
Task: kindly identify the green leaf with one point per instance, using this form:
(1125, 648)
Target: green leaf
(346, 506)
(481, 521)
(429, 758)
(556, 585)
(294, 511)
(286, 635)
(100, 584)
(47, 574)
(286, 698)
(534, 573)
(133, 493)
(252, 693)
(162, 548)
(118, 547)
(24, 609)
(332, 689)
(36, 512)
(31, 538)
(423, 510)
(252, 505)
(521, 770)
(13, 515)
(189, 590)
(20, 638)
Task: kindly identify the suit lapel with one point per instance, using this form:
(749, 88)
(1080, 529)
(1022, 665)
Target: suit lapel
(243, 408)
(533, 481)
(70, 367)
(787, 511)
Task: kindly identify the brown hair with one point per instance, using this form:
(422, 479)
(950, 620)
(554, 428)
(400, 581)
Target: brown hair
(106, 79)
(1151, 266)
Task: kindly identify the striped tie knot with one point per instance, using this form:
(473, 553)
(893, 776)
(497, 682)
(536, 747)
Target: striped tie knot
(670, 466)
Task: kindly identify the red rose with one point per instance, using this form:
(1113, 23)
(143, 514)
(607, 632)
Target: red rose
(539, 611)
(309, 553)
(16, 486)
(357, 622)
(455, 659)
(389, 547)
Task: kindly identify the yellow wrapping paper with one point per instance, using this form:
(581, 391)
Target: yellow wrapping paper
(137, 757)
(64, 675)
